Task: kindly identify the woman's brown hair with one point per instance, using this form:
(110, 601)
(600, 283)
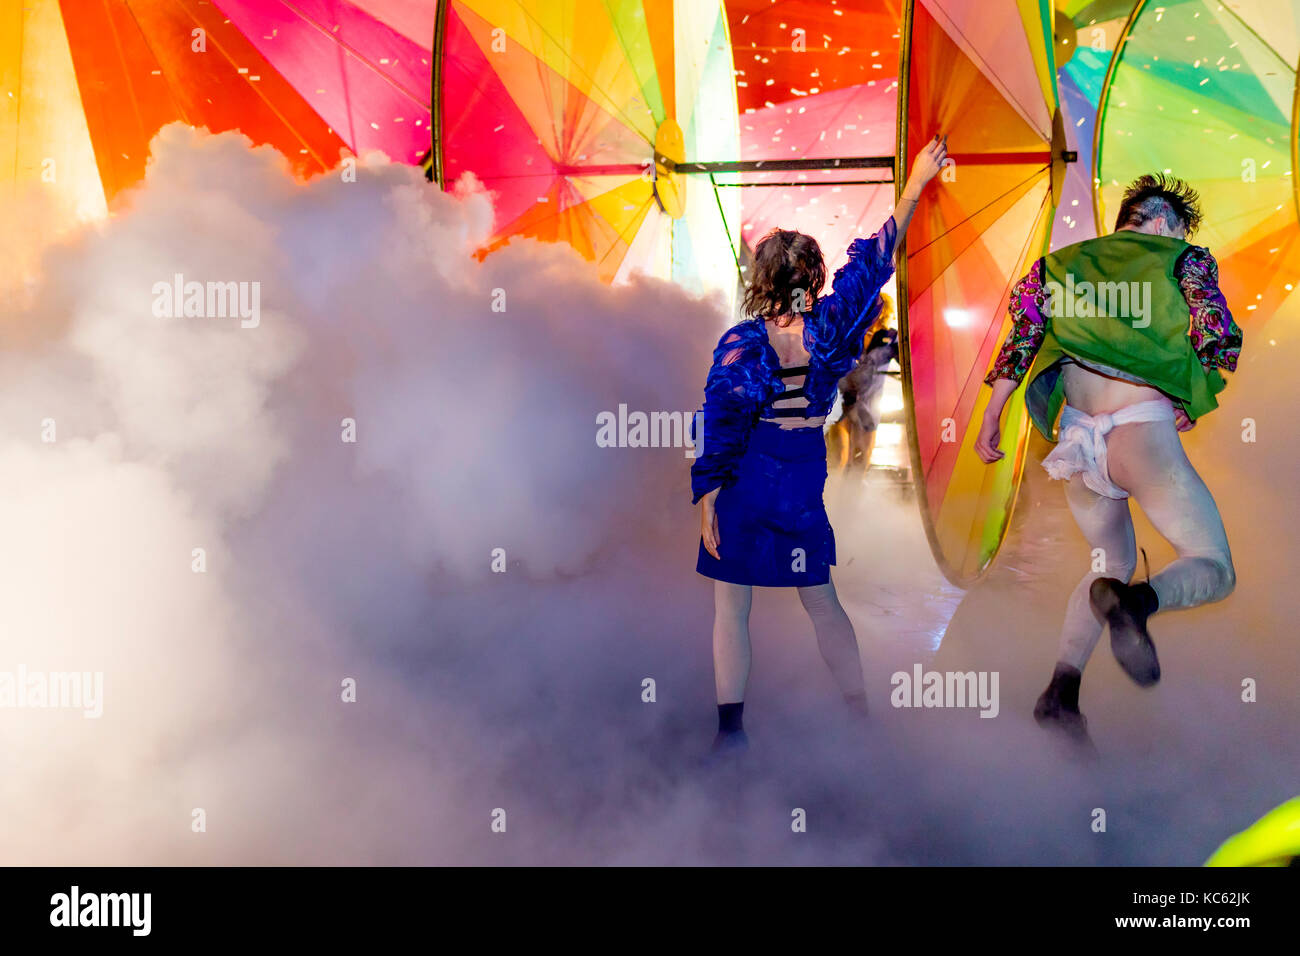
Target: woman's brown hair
(788, 267)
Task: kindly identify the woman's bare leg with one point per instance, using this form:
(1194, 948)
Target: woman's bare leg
(840, 436)
(731, 655)
(731, 652)
(868, 446)
(835, 638)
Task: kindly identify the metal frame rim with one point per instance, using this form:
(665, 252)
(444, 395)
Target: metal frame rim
(951, 574)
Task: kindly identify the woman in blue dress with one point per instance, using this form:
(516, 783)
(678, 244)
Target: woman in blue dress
(761, 468)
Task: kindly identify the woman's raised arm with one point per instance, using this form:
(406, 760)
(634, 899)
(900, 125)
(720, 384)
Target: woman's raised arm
(925, 167)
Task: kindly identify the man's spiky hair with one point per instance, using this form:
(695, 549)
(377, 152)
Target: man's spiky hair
(1157, 196)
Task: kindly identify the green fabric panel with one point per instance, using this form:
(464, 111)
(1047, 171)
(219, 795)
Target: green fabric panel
(628, 20)
(1140, 325)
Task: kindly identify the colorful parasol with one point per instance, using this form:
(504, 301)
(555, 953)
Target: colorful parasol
(984, 73)
(1207, 91)
(612, 126)
(85, 85)
(575, 114)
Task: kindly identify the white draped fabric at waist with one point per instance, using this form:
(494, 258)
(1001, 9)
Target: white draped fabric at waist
(1081, 443)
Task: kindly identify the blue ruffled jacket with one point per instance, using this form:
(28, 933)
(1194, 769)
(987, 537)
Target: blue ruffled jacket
(743, 380)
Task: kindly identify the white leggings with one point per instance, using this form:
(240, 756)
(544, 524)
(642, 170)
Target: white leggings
(1147, 460)
(731, 652)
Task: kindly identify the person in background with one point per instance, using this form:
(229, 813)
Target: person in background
(853, 436)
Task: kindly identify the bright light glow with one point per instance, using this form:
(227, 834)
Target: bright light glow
(891, 448)
(891, 397)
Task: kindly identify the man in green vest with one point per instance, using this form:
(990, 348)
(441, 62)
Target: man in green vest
(1123, 338)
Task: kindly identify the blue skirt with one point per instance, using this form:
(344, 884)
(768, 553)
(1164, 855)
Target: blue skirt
(771, 521)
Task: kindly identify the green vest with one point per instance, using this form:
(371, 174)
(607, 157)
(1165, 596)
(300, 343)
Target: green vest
(1116, 303)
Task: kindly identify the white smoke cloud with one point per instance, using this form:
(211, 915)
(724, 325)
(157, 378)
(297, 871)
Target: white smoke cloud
(475, 431)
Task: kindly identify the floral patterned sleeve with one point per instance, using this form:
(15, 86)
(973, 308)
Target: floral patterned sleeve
(1215, 336)
(1028, 309)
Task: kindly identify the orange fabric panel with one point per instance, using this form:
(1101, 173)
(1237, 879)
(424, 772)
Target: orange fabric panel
(659, 24)
(137, 71)
(978, 120)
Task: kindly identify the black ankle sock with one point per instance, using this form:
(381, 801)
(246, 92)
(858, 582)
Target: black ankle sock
(1067, 677)
(729, 717)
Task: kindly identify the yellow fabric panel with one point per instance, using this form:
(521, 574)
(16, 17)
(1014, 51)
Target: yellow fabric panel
(974, 489)
(1273, 840)
(623, 207)
(576, 40)
(1037, 32)
(659, 24)
(44, 142)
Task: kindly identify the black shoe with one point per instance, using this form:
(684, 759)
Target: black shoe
(1057, 710)
(1058, 706)
(729, 742)
(1126, 608)
(857, 704)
